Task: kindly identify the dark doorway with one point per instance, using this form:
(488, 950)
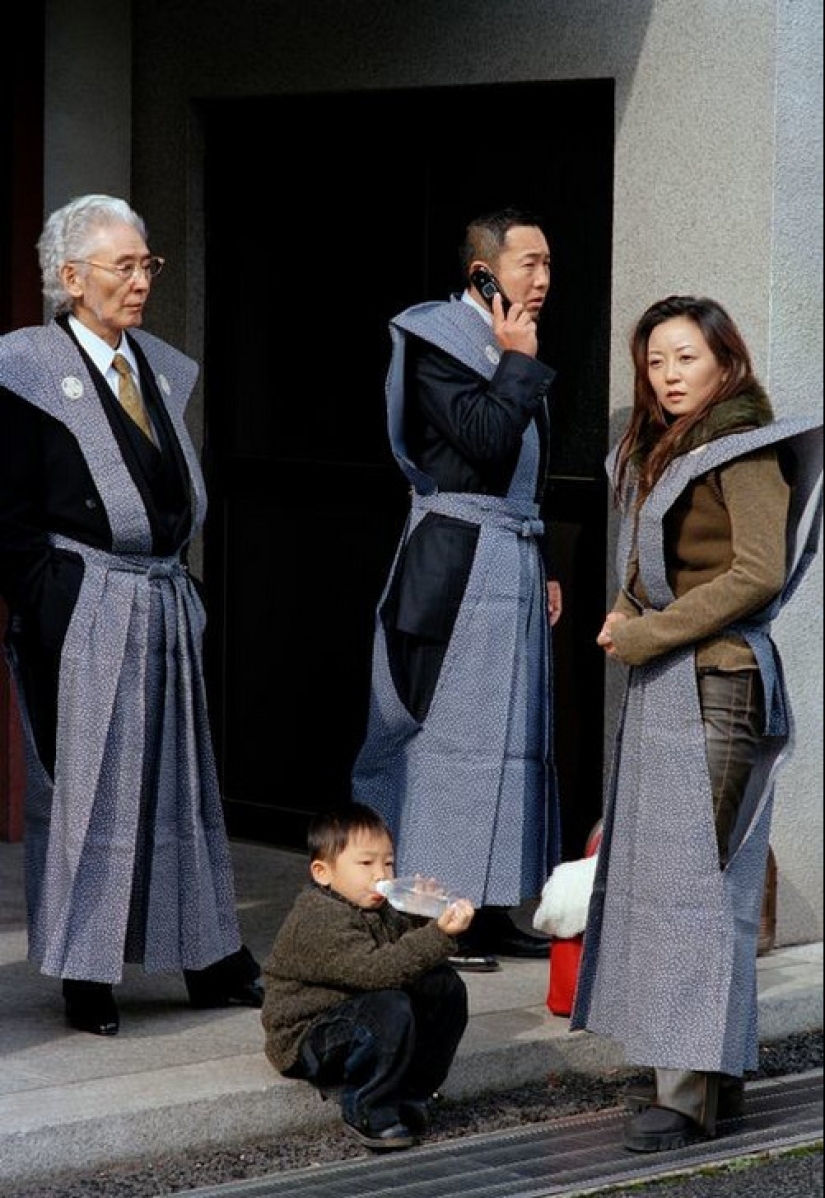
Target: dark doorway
(21, 210)
(21, 171)
(320, 227)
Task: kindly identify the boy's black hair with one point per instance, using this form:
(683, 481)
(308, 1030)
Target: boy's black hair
(331, 831)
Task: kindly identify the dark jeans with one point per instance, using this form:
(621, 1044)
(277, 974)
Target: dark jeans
(733, 713)
(384, 1047)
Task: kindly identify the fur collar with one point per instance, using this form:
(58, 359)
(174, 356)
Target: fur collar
(748, 409)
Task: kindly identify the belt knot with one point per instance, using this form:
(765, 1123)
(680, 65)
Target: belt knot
(531, 528)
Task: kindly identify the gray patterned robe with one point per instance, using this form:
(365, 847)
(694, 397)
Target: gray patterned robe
(669, 962)
(126, 850)
(470, 793)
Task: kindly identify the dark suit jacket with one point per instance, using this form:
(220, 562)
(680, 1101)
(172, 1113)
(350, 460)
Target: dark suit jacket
(466, 433)
(46, 487)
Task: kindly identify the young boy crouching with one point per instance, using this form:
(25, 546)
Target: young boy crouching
(358, 996)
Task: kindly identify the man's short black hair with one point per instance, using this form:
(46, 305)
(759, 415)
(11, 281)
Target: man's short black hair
(485, 235)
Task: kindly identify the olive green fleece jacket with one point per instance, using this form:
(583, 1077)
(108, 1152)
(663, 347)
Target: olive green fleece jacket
(725, 550)
(328, 950)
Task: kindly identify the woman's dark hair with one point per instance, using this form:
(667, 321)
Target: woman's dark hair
(331, 831)
(652, 438)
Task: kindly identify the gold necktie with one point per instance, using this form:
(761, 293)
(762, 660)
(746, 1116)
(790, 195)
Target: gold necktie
(130, 397)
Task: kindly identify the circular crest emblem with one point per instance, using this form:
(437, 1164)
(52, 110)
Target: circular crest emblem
(492, 354)
(72, 387)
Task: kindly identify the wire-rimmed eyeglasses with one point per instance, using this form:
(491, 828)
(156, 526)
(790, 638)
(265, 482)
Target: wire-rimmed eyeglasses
(150, 268)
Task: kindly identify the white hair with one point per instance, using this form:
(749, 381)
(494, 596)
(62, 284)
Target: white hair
(68, 235)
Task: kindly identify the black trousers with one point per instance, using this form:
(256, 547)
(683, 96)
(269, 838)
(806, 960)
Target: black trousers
(385, 1047)
(38, 668)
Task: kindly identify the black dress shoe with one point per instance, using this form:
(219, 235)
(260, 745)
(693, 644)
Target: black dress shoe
(232, 981)
(470, 960)
(521, 944)
(494, 929)
(471, 957)
(658, 1129)
(90, 1007)
(204, 996)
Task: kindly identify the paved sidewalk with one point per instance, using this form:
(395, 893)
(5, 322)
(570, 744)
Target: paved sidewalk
(175, 1079)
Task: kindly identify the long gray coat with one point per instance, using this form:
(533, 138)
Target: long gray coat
(126, 851)
(669, 963)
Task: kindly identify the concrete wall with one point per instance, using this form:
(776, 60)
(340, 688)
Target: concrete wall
(794, 377)
(718, 189)
(88, 81)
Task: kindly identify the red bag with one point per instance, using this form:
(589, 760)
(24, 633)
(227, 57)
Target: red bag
(565, 956)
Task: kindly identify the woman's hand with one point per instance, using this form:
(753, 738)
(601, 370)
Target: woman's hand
(605, 637)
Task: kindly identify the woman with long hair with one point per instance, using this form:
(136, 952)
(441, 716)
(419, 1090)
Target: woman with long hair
(721, 506)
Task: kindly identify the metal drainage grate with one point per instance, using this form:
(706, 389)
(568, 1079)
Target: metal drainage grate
(549, 1160)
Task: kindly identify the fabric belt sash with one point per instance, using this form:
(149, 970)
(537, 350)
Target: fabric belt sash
(133, 744)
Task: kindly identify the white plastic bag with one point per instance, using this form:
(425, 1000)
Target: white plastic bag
(565, 899)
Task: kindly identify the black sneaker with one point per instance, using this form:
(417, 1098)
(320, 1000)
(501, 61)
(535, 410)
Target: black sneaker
(390, 1138)
(417, 1113)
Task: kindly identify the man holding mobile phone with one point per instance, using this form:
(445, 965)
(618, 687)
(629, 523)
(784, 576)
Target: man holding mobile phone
(458, 753)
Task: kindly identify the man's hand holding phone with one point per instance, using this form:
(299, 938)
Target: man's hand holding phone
(513, 325)
(515, 328)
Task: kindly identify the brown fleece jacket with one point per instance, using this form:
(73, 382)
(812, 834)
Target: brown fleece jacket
(725, 551)
(328, 950)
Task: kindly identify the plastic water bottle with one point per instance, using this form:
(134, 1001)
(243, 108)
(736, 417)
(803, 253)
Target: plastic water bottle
(416, 895)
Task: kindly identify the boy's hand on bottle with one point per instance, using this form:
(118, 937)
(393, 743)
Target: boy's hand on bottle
(457, 917)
